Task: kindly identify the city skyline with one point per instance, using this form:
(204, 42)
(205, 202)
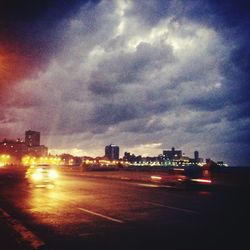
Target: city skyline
(145, 75)
(20, 150)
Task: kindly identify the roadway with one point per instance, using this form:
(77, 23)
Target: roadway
(83, 212)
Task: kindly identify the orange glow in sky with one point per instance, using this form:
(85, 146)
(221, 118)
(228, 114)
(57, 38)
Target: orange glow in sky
(3, 66)
(13, 65)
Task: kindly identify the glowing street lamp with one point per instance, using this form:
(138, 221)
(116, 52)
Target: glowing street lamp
(4, 159)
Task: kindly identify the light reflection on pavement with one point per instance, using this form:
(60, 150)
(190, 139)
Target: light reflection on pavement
(87, 208)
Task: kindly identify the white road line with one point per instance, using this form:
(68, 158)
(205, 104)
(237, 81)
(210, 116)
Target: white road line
(174, 208)
(152, 185)
(101, 215)
(146, 185)
(27, 235)
(85, 234)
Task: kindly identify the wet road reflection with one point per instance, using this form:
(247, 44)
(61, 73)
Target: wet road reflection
(53, 205)
(81, 209)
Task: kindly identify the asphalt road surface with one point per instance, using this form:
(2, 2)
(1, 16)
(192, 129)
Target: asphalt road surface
(98, 213)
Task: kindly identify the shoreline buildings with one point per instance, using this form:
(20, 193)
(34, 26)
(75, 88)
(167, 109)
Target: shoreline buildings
(17, 149)
(171, 157)
(112, 152)
(30, 151)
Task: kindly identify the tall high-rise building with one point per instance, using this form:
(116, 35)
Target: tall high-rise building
(196, 156)
(32, 138)
(112, 152)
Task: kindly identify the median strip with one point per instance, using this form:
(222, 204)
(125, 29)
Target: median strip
(26, 235)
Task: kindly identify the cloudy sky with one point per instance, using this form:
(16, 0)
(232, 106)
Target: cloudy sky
(145, 75)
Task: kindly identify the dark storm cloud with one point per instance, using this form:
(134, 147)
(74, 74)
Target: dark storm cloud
(240, 136)
(236, 112)
(140, 73)
(143, 125)
(113, 114)
(208, 102)
(236, 19)
(29, 34)
(229, 18)
(33, 23)
(127, 67)
(20, 19)
(232, 20)
(103, 88)
(237, 74)
(230, 14)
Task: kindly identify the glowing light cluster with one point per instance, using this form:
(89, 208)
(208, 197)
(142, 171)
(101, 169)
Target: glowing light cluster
(104, 162)
(4, 160)
(29, 160)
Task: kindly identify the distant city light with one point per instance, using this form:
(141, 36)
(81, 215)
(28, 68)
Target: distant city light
(4, 160)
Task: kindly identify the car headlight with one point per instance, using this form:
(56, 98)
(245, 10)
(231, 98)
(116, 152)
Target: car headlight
(37, 176)
(53, 174)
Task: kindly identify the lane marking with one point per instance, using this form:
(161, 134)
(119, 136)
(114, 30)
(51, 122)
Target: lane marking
(101, 215)
(85, 234)
(26, 234)
(173, 208)
(152, 185)
(146, 185)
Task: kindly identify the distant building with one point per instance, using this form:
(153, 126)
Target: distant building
(69, 159)
(38, 151)
(112, 152)
(131, 157)
(196, 156)
(172, 154)
(32, 138)
(15, 148)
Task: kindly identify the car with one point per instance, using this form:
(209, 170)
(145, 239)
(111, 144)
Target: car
(189, 177)
(41, 175)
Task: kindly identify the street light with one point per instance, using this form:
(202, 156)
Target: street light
(4, 159)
